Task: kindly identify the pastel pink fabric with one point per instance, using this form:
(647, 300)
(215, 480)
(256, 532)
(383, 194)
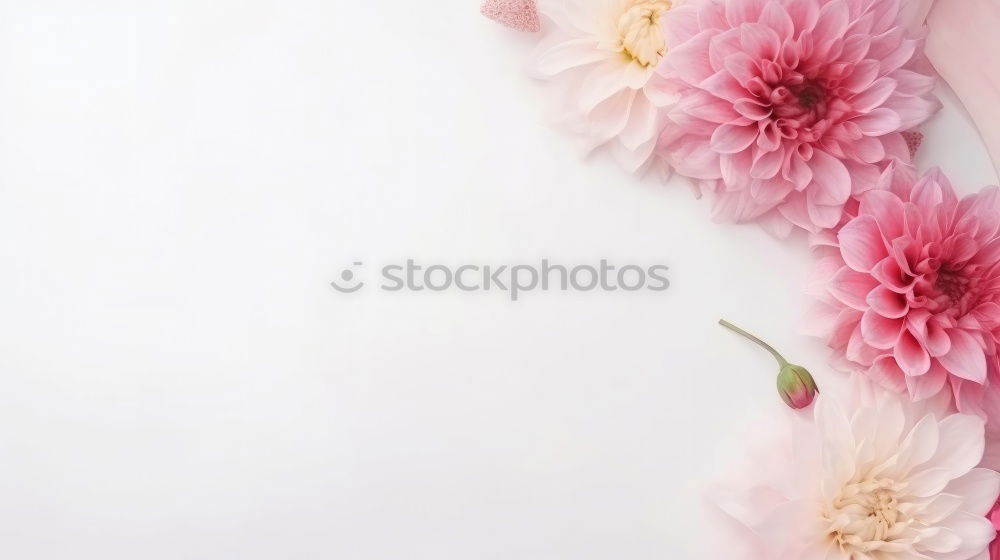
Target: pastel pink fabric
(964, 46)
(521, 15)
(790, 108)
(912, 291)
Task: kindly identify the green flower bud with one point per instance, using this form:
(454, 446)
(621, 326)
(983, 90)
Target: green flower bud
(795, 385)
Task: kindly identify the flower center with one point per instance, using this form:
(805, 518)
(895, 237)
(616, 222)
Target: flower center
(957, 291)
(640, 32)
(866, 516)
(809, 95)
(952, 284)
(799, 100)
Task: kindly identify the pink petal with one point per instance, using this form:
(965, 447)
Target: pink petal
(880, 332)
(890, 275)
(751, 109)
(823, 216)
(886, 208)
(922, 387)
(707, 107)
(832, 22)
(776, 17)
(861, 243)
(860, 352)
(768, 164)
(887, 303)
(909, 82)
(831, 181)
(869, 149)
(855, 48)
(759, 41)
(851, 288)
(886, 373)
(912, 111)
(689, 60)
(874, 96)
(862, 76)
(803, 14)
(965, 359)
(910, 355)
(741, 11)
(722, 84)
(743, 67)
(799, 172)
(878, 122)
(731, 138)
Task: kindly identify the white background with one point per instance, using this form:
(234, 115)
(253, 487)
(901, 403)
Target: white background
(180, 180)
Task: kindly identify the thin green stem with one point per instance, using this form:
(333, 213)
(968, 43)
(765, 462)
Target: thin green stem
(781, 359)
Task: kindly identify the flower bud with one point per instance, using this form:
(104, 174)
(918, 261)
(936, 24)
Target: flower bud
(796, 386)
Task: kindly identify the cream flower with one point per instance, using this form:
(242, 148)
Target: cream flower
(879, 484)
(600, 58)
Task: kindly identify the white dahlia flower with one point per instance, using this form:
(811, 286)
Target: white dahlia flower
(600, 57)
(878, 484)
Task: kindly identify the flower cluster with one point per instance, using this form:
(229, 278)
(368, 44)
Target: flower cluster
(801, 115)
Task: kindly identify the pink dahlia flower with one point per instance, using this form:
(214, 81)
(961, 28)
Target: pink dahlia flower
(790, 107)
(912, 291)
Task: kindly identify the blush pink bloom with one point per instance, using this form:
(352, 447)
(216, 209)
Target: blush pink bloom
(912, 291)
(790, 107)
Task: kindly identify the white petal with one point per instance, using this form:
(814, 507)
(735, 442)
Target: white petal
(890, 427)
(568, 54)
(838, 441)
(643, 123)
(936, 508)
(920, 444)
(609, 118)
(961, 444)
(603, 81)
(928, 482)
(938, 539)
(975, 532)
(978, 488)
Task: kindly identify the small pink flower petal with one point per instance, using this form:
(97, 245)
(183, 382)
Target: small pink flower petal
(880, 332)
(886, 302)
(731, 138)
(912, 358)
(861, 244)
(878, 122)
(888, 374)
(852, 288)
(923, 387)
(965, 358)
